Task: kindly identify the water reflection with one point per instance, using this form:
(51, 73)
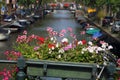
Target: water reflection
(3, 47)
(3, 44)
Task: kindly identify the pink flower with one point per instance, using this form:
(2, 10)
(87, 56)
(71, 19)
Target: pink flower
(73, 36)
(49, 29)
(12, 55)
(36, 48)
(68, 47)
(69, 29)
(61, 35)
(82, 32)
(54, 33)
(101, 42)
(25, 32)
(31, 38)
(63, 31)
(21, 39)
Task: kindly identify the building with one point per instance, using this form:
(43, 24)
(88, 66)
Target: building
(11, 5)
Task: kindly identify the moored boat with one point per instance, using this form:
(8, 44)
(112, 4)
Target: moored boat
(23, 22)
(36, 17)
(16, 24)
(12, 28)
(4, 34)
(92, 30)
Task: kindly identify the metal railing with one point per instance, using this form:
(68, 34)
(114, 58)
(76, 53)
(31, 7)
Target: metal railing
(80, 71)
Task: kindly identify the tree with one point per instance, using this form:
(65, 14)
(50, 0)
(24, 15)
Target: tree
(24, 2)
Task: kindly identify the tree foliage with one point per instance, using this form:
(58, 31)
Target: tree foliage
(24, 2)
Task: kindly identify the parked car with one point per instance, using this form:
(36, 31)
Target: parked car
(107, 21)
(116, 27)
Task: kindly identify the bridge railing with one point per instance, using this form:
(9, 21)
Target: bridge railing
(80, 71)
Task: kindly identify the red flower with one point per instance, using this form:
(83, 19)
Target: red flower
(41, 40)
(51, 45)
(84, 41)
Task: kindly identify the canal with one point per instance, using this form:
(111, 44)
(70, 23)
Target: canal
(58, 20)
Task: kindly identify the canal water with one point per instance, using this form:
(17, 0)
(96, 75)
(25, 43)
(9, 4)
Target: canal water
(58, 20)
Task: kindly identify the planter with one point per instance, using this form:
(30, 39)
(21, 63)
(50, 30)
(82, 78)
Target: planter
(82, 71)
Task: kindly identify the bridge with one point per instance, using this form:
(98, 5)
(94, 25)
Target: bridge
(32, 69)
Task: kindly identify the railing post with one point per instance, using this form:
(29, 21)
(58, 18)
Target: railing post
(111, 68)
(21, 67)
(94, 72)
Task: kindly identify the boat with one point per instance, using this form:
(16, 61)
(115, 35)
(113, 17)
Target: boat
(4, 34)
(12, 28)
(17, 25)
(92, 30)
(23, 22)
(97, 35)
(36, 17)
(30, 19)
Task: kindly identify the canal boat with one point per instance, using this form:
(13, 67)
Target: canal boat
(23, 22)
(30, 19)
(92, 30)
(11, 28)
(97, 35)
(16, 24)
(36, 17)
(4, 34)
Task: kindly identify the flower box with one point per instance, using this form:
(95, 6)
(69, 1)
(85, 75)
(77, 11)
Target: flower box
(44, 68)
(60, 57)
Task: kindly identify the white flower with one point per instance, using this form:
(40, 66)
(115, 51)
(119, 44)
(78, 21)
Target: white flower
(50, 51)
(64, 40)
(99, 49)
(91, 50)
(52, 38)
(61, 50)
(90, 43)
(80, 43)
(104, 45)
(96, 51)
(110, 47)
(59, 56)
(57, 44)
(82, 52)
(84, 49)
(53, 48)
